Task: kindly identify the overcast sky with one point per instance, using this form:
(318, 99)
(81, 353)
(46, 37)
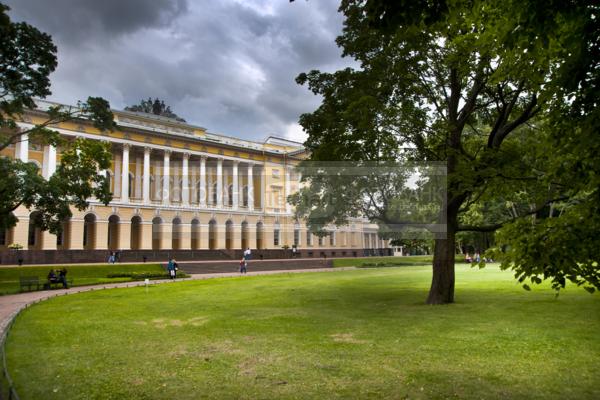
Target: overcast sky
(226, 65)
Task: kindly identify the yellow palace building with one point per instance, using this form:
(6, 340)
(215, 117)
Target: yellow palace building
(179, 187)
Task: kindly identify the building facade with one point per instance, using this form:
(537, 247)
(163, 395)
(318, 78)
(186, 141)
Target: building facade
(179, 187)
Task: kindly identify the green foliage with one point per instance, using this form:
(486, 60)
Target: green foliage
(504, 93)
(156, 107)
(27, 57)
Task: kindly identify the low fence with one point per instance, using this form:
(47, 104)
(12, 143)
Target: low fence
(7, 387)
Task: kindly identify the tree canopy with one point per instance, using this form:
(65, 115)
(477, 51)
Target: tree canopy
(156, 107)
(27, 58)
(503, 93)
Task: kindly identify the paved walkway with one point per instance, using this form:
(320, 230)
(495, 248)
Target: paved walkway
(10, 305)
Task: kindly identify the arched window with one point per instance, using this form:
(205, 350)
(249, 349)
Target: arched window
(89, 228)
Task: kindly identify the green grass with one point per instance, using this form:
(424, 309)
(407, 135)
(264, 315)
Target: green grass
(81, 274)
(382, 261)
(349, 334)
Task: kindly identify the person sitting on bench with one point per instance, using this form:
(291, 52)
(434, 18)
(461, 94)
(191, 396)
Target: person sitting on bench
(52, 278)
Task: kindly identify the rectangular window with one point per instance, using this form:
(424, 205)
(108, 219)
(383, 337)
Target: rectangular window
(332, 238)
(320, 240)
(309, 239)
(276, 237)
(296, 237)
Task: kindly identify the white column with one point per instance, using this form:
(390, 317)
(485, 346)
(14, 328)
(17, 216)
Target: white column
(203, 193)
(49, 162)
(288, 188)
(250, 188)
(137, 189)
(220, 183)
(166, 187)
(146, 176)
(235, 185)
(185, 181)
(22, 148)
(125, 175)
(263, 188)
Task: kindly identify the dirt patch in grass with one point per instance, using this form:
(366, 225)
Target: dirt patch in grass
(347, 338)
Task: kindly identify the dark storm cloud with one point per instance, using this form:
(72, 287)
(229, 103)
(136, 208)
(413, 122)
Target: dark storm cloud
(75, 21)
(226, 65)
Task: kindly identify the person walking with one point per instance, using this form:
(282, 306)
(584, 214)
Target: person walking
(243, 265)
(172, 267)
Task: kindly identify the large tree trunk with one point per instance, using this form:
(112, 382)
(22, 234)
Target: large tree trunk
(442, 283)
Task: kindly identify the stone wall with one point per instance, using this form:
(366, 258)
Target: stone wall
(28, 257)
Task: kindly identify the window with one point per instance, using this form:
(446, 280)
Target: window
(31, 234)
(2, 237)
(320, 240)
(309, 239)
(296, 237)
(332, 238)
(109, 181)
(276, 237)
(245, 196)
(131, 186)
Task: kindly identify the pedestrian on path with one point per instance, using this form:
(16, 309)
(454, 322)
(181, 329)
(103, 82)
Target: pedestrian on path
(172, 268)
(243, 265)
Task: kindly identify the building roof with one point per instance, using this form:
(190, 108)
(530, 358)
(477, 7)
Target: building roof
(173, 127)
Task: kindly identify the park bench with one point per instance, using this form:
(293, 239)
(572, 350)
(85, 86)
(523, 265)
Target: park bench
(29, 282)
(57, 284)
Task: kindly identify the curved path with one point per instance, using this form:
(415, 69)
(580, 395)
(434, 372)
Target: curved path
(11, 305)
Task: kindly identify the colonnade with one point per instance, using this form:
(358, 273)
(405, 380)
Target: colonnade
(183, 179)
(175, 232)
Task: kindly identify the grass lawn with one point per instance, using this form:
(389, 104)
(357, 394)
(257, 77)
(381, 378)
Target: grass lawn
(382, 261)
(82, 274)
(349, 334)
